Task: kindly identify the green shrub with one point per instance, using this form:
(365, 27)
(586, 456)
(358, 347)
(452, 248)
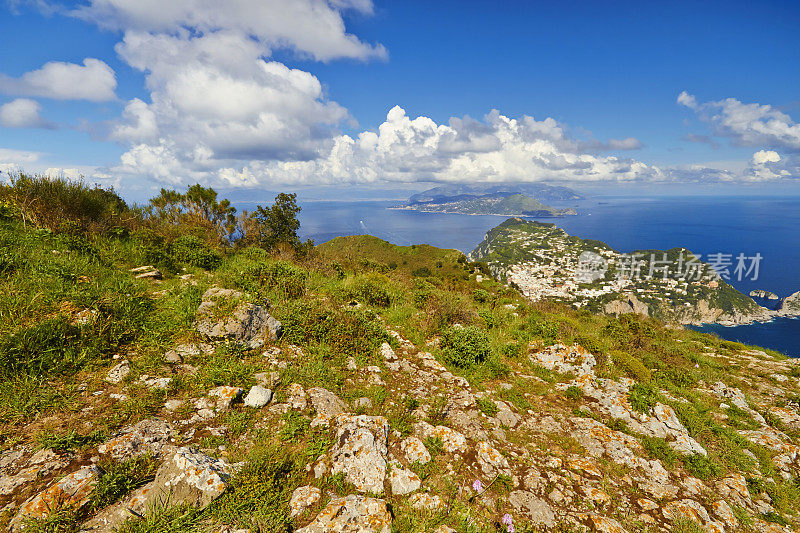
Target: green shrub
(194, 251)
(255, 274)
(643, 397)
(481, 296)
(348, 332)
(421, 272)
(465, 347)
(632, 366)
(370, 290)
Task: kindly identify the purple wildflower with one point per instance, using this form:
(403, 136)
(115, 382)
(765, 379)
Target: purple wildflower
(477, 485)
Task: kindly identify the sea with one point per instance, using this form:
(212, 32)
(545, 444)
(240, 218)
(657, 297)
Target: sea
(769, 226)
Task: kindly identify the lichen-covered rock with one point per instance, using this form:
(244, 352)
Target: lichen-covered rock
(425, 501)
(303, 498)
(190, 477)
(360, 450)
(246, 323)
(566, 359)
(536, 510)
(147, 436)
(352, 514)
(258, 397)
(226, 396)
(181, 352)
(298, 399)
(70, 492)
(452, 440)
(326, 403)
(415, 450)
(403, 481)
(42, 463)
(490, 460)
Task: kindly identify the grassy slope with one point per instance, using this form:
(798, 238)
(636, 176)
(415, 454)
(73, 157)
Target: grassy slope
(42, 400)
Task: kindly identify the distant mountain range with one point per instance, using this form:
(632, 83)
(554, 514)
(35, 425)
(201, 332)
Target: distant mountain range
(507, 200)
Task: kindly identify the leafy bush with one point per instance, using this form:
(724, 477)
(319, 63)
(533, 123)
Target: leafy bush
(351, 332)
(371, 290)
(195, 252)
(465, 347)
(421, 272)
(643, 397)
(481, 296)
(632, 366)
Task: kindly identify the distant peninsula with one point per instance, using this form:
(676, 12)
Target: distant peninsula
(511, 200)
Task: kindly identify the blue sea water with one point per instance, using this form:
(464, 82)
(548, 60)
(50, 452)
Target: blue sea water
(705, 225)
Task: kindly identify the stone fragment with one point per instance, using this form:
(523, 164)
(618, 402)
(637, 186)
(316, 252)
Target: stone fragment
(534, 509)
(298, 399)
(415, 450)
(352, 514)
(452, 440)
(258, 397)
(226, 396)
(247, 323)
(147, 436)
(326, 403)
(425, 501)
(190, 477)
(403, 481)
(303, 498)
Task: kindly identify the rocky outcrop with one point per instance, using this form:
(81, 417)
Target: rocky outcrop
(70, 492)
(627, 304)
(760, 293)
(352, 514)
(190, 477)
(224, 314)
(360, 451)
(790, 306)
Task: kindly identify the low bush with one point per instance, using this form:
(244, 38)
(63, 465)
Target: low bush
(193, 251)
(465, 347)
(643, 397)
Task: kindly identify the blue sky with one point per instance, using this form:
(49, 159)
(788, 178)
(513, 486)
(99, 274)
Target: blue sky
(274, 93)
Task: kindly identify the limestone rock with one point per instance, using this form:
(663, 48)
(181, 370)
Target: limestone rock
(490, 460)
(534, 509)
(360, 450)
(352, 514)
(403, 481)
(190, 477)
(71, 491)
(147, 436)
(565, 359)
(452, 440)
(112, 517)
(326, 403)
(303, 498)
(298, 399)
(226, 396)
(425, 501)
(415, 450)
(181, 352)
(249, 324)
(258, 397)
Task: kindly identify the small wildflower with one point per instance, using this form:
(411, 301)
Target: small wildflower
(507, 519)
(477, 485)
(510, 528)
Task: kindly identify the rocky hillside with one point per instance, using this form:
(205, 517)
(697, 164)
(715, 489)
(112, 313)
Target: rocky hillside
(406, 391)
(544, 262)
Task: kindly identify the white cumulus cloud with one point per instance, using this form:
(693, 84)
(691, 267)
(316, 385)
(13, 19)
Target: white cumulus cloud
(94, 81)
(311, 27)
(745, 124)
(22, 113)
